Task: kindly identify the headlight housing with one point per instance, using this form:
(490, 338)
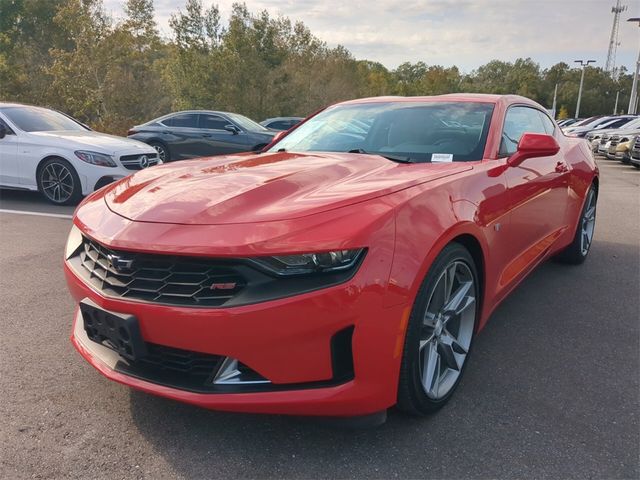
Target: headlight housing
(74, 242)
(310, 263)
(95, 158)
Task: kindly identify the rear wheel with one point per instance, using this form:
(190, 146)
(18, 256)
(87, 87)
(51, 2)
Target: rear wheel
(163, 151)
(577, 251)
(440, 332)
(59, 182)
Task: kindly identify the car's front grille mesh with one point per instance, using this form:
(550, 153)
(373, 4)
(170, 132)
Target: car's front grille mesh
(171, 280)
(137, 162)
(184, 362)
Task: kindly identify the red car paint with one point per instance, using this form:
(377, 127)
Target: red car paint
(515, 216)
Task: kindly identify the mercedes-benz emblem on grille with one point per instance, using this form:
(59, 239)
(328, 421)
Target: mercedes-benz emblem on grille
(144, 161)
(120, 264)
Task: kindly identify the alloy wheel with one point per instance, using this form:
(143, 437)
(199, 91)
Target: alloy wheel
(447, 329)
(162, 153)
(588, 223)
(57, 182)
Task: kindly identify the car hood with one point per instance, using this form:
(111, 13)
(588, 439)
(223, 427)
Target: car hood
(249, 188)
(88, 140)
(631, 132)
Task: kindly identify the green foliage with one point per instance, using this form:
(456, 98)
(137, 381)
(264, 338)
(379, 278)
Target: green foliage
(70, 55)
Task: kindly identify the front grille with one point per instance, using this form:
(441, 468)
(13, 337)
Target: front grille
(138, 162)
(164, 279)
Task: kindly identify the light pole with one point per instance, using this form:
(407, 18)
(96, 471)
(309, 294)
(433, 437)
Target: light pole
(634, 87)
(583, 63)
(615, 108)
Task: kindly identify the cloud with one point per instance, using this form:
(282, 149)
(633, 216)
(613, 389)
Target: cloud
(467, 33)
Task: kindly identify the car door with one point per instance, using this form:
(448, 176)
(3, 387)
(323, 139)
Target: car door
(537, 192)
(183, 135)
(219, 141)
(9, 166)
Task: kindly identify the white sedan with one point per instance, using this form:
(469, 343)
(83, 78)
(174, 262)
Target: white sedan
(45, 150)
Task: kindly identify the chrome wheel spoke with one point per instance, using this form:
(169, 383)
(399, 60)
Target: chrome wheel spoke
(431, 368)
(459, 299)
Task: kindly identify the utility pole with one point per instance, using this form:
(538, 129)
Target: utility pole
(610, 66)
(615, 107)
(584, 64)
(633, 100)
(555, 95)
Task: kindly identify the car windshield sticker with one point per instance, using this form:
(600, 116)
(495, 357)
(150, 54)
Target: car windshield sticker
(442, 157)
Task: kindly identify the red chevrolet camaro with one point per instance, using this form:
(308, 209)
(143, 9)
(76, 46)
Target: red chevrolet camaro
(344, 269)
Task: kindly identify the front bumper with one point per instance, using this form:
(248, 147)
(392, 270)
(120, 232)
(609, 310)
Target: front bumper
(287, 341)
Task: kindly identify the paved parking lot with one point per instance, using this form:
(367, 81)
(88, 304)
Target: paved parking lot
(551, 390)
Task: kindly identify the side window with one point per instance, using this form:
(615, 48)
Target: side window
(7, 128)
(518, 121)
(213, 122)
(548, 124)
(185, 120)
(280, 125)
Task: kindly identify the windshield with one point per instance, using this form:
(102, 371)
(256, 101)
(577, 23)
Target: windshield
(419, 131)
(247, 123)
(35, 119)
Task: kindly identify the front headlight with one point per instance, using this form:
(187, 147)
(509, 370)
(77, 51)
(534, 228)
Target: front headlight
(74, 242)
(309, 263)
(95, 158)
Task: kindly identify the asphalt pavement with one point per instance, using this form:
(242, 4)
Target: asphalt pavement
(551, 391)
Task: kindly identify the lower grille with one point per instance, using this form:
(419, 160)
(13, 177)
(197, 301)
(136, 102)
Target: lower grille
(160, 278)
(200, 366)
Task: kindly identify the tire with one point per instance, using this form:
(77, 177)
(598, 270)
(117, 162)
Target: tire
(576, 253)
(58, 181)
(438, 340)
(163, 151)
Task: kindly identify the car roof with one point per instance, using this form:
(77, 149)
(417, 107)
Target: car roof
(454, 97)
(215, 112)
(274, 119)
(15, 104)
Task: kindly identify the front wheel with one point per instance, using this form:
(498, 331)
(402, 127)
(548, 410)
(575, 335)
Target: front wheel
(440, 332)
(577, 251)
(163, 151)
(59, 182)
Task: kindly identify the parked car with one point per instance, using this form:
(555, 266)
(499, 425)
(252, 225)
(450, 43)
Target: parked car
(599, 138)
(48, 151)
(281, 123)
(201, 133)
(635, 152)
(569, 121)
(345, 269)
(620, 145)
(612, 122)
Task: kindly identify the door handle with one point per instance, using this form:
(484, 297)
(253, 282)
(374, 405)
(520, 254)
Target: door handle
(562, 167)
(207, 135)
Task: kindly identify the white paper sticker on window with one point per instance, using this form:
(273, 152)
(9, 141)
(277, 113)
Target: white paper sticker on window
(441, 157)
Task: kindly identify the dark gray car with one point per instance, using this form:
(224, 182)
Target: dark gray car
(201, 133)
(281, 123)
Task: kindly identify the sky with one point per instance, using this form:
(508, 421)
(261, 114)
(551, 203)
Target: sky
(466, 33)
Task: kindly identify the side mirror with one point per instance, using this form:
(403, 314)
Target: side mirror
(3, 131)
(232, 128)
(533, 145)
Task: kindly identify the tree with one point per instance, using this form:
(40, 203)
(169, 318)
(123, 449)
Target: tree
(563, 113)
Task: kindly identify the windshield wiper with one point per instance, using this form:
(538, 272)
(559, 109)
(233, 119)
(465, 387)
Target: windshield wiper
(393, 158)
